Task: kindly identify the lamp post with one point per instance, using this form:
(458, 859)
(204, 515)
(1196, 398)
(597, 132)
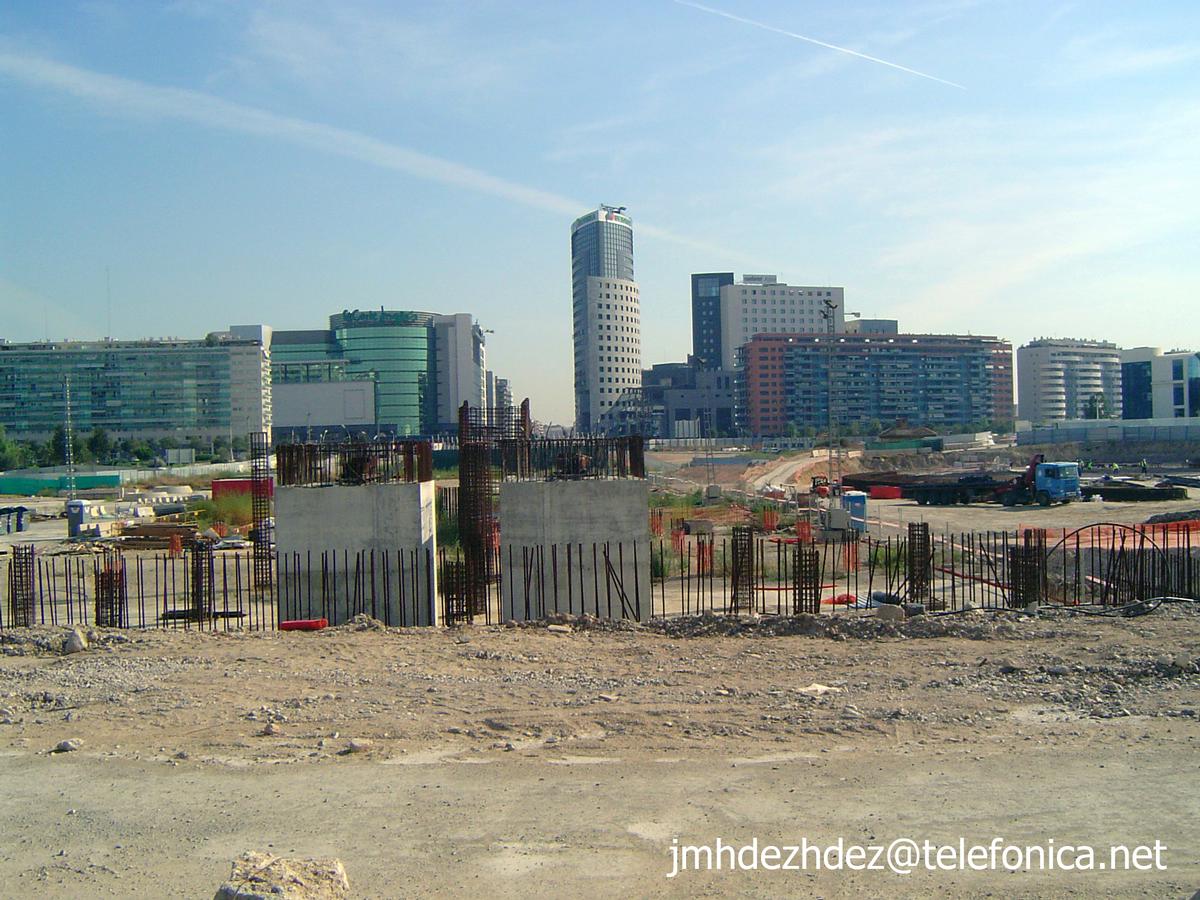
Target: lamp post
(829, 314)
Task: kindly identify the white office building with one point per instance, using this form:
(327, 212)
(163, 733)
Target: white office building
(762, 304)
(606, 312)
(1157, 385)
(460, 352)
(613, 349)
(1068, 379)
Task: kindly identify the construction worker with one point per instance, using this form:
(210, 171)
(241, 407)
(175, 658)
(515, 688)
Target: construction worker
(1143, 465)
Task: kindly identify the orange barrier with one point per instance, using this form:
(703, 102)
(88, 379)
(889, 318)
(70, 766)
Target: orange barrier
(656, 522)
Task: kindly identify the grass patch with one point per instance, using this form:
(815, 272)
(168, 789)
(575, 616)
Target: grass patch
(232, 509)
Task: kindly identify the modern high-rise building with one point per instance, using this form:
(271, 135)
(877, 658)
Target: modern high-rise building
(706, 317)
(761, 304)
(606, 310)
(149, 389)
(938, 380)
(688, 400)
(424, 365)
(460, 361)
(1068, 379)
(504, 395)
(1157, 385)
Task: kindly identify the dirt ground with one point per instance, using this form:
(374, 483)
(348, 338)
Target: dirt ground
(995, 517)
(520, 761)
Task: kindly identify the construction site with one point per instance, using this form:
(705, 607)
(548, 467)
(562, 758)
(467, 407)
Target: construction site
(521, 528)
(638, 645)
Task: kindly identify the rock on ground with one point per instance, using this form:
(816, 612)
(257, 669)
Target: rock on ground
(261, 876)
(75, 641)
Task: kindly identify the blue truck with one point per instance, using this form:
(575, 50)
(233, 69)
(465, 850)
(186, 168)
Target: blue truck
(1042, 482)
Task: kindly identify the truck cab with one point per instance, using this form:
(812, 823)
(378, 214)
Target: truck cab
(1056, 482)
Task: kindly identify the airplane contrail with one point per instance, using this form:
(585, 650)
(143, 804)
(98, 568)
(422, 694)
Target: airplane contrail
(137, 98)
(812, 40)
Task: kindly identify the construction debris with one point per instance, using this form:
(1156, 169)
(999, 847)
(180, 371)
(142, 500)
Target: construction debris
(261, 876)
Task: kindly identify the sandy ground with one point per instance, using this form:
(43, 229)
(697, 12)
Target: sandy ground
(995, 517)
(518, 761)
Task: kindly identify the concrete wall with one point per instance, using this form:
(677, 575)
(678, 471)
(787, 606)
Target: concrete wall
(1128, 430)
(540, 520)
(385, 518)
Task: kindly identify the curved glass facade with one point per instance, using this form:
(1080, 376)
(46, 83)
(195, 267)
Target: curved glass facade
(397, 348)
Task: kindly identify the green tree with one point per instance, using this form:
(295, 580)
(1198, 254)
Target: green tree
(100, 445)
(56, 447)
(1096, 407)
(13, 455)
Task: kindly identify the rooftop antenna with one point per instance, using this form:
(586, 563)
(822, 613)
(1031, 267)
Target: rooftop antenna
(108, 294)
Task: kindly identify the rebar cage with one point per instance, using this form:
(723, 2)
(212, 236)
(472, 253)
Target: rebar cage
(354, 462)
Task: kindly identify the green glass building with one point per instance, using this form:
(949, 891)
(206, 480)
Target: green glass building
(137, 389)
(395, 348)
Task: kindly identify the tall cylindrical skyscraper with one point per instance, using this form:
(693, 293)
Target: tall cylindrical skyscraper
(607, 313)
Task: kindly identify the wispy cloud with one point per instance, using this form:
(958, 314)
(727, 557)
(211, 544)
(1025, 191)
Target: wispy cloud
(1112, 54)
(441, 53)
(137, 98)
(819, 43)
(984, 219)
(129, 97)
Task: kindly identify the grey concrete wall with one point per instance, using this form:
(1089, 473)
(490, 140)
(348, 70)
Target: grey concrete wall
(394, 521)
(553, 548)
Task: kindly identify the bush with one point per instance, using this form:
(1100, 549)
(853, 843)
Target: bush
(232, 509)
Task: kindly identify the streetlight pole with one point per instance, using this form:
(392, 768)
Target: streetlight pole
(830, 308)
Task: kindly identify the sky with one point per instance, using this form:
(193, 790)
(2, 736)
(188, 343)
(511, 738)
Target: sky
(1023, 169)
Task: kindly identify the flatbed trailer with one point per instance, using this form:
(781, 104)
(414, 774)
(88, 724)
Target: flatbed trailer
(951, 491)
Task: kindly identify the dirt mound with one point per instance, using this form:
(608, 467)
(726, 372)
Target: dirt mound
(1187, 515)
(49, 640)
(977, 625)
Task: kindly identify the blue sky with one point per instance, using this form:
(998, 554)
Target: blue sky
(232, 162)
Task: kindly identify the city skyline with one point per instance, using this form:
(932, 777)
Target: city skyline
(221, 162)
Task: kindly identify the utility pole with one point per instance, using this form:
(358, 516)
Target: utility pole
(69, 440)
(828, 313)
